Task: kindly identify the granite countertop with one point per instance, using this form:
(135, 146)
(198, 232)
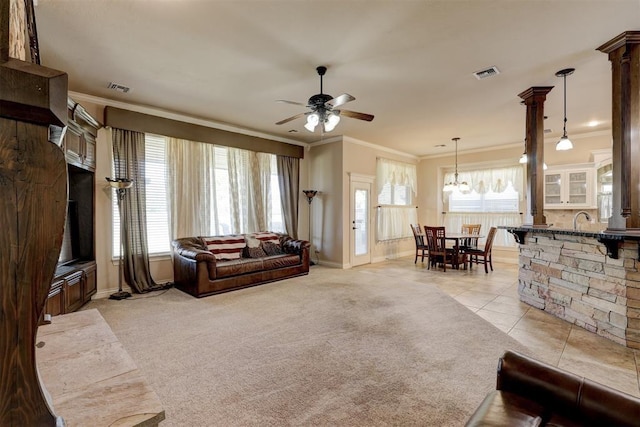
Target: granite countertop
(601, 235)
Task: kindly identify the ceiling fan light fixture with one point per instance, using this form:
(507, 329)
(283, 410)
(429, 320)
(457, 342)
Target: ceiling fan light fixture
(312, 122)
(332, 120)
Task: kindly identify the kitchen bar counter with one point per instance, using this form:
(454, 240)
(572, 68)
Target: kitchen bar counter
(590, 279)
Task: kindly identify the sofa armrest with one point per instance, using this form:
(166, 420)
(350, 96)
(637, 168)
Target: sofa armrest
(565, 394)
(293, 246)
(192, 248)
(538, 381)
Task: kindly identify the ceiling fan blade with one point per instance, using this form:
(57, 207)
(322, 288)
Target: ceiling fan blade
(291, 102)
(339, 100)
(356, 115)
(281, 122)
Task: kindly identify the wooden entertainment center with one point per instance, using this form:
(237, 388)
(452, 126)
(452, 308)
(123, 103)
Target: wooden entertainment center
(75, 278)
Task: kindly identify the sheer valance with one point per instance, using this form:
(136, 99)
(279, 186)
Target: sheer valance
(395, 173)
(495, 179)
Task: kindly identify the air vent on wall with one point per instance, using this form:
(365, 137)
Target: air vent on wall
(118, 87)
(489, 72)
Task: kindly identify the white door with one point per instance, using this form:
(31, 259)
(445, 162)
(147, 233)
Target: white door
(360, 222)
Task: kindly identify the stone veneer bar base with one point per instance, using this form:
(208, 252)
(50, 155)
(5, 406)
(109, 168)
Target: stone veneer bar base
(569, 275)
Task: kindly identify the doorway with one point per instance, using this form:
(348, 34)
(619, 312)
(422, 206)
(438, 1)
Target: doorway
(360, 220)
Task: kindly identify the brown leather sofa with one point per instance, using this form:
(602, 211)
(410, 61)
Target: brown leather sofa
(196, 270)
(533, 393)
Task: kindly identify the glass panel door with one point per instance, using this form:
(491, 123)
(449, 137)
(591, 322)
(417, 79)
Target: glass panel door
(553, 189)
(361, 213)
(577, 187)
(360, 223)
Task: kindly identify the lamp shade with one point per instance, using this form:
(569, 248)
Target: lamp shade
(564, 144)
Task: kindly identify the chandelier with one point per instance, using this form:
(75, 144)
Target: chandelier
(463, 187)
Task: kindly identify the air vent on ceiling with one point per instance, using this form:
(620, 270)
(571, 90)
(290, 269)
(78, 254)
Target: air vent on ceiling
(489, 72)
(118, 87)
(548, 130)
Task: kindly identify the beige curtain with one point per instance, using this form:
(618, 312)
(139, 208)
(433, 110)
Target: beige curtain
(129, 162)
(395, 173)
(494, 179)
(191, 190)
(250, 189)
(289, 183)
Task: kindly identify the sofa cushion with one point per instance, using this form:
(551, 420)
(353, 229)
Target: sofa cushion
(225, 247)
(237, 267)
(266, 236)
(254, 252)
(271, 248)
(279, 261)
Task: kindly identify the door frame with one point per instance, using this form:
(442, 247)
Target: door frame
(368, 180)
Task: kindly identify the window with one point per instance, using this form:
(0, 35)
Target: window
(396, 183)
(221, 215)
(493, 201)
(506, 201)
(156, 184)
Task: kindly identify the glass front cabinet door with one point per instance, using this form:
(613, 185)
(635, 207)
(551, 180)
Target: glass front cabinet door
(569, 188)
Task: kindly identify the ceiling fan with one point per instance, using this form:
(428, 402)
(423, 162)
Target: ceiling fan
(324, 109)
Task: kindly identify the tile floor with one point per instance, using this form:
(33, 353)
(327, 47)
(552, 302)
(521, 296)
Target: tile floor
(494, 297)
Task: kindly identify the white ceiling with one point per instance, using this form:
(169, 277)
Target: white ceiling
(409, 63)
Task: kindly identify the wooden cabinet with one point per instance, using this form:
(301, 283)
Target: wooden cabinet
(569, 187)
(80, 137)
(75, 278)
(72, 287)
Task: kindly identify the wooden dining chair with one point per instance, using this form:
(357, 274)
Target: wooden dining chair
(470, 229)
(421, 245)
(438, 251)
(483, 256)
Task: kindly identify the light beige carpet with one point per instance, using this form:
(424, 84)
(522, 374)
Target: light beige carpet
(335, 348)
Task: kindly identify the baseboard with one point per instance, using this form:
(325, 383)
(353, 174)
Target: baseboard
(333, 265)
(105, 293)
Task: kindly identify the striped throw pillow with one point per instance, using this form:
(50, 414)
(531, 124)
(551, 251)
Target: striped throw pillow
(267, 236)
(225, 247)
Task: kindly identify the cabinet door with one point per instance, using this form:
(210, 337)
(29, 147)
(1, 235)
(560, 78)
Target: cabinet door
(73, 291)
(553, 189)
(90, 153)
(577, 188)
(55, 302)
(73, 144)
(90, 287)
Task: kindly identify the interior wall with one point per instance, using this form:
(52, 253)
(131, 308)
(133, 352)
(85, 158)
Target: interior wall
(327, 224)
(361, 158)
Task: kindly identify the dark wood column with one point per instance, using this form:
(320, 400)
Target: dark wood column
(534, 98)
(624, 54)
(33, 195)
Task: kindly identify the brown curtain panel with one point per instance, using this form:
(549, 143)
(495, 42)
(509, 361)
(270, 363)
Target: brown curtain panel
(289, 183)
(129, 162)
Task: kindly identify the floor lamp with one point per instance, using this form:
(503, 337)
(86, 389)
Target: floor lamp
(121, 185)
(310, 194)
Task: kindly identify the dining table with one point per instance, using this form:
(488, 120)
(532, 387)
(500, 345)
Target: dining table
(457, 237)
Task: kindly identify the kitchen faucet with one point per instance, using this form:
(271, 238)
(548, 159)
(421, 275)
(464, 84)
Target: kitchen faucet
(575, 218)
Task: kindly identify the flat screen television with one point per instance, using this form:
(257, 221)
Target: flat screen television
(69, 252)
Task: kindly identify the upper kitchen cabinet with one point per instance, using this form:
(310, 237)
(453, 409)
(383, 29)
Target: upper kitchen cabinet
(570, 187)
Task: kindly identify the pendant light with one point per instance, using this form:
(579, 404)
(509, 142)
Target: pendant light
(565, 143)
(524, 158)
(463, 187)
